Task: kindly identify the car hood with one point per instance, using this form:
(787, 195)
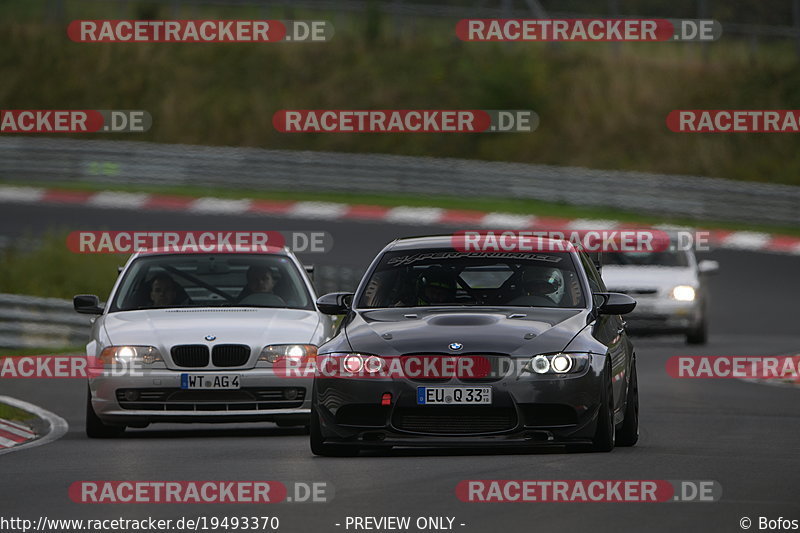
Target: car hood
(647, 277)
(513, 331)
(164, 328)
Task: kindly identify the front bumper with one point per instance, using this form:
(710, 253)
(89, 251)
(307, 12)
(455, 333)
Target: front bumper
(156, 396)
(525, 410)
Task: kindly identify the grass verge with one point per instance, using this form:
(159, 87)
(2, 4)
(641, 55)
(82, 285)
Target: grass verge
(14, 414)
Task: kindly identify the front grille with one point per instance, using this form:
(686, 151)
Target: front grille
(190, 355)
(247, 399)
(225, 355)
(473, 420)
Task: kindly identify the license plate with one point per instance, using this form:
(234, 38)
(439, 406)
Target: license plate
(454, 395)
(210, 381)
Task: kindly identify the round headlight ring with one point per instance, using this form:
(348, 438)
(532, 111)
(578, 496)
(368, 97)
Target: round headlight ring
(353, 363)
(373, 364)
(561, 363)
(540, 364)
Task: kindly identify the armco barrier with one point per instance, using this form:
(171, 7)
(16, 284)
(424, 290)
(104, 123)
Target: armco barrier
(32, 322)
(47, 160)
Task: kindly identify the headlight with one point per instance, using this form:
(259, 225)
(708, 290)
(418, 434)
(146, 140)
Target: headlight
(540, 364)
(561, 363)
(130, 354)
(558, 363)
(344, 364)
(274, 352)
(683, 293)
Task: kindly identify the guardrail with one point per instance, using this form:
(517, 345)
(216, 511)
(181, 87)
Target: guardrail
(33, 159)
(32, 322)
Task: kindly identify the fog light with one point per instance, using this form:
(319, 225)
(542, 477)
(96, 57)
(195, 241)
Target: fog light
(290, 394)
(131, 395)
(386, 399)
(540, 364)
(562, 363)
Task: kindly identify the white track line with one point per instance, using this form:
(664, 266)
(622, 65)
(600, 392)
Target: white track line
(58, 426)
(8, 428)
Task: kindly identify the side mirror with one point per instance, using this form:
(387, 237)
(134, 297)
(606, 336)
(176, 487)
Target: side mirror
(707, 266)
(335, 303)
(87, 304)
(309, 270)
(615, 303)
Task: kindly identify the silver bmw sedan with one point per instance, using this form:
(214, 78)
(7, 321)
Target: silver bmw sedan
(192, 337)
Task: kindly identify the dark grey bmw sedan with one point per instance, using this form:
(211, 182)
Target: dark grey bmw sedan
(444, 347)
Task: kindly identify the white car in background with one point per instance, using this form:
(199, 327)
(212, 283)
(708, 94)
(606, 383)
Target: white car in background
(200, 333)
(669, 287)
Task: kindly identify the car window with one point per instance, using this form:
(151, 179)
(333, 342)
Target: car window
(596, 283)
(211, 280)
(420, 278)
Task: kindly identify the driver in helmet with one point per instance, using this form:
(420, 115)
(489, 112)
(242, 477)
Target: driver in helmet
(541, 287)
(436, 286)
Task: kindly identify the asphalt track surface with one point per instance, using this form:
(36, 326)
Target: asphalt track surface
(743, 435)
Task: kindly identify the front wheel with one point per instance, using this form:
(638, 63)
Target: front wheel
(699, 333)
(318, 446)
(603, 440)
(629, 433)
(95, 428)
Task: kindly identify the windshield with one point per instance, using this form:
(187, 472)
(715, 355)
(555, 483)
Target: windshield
(211, 280)
(423, 278)
(666, 259)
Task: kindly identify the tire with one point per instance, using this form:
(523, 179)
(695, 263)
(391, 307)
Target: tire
(603, 440)
(628, 435)
(699, 333)
(318, 446)
(95, 428)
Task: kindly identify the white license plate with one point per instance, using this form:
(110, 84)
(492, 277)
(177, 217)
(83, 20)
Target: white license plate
(454, 395)
(210, 381)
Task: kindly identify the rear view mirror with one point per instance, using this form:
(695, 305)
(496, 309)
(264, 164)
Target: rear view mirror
(87, 304)
(707, 266)
(335, 303)
(309, 270)
(615, 303)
